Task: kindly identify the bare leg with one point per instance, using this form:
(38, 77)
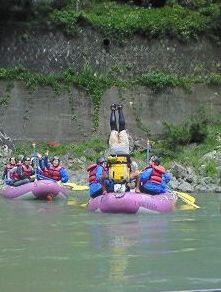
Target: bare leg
(137, 186)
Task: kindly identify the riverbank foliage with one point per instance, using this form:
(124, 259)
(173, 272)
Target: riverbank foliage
(190, 154)
(122, 20)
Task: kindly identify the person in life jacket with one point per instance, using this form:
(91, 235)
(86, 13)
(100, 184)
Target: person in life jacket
(11, 164)
(22, 173)
(134, 181)
(154, 178)
(97, 177)
(52, 170)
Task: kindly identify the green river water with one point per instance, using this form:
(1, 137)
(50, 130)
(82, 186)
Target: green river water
(55, 247)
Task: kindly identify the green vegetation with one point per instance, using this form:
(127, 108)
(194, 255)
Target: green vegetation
(175, 18)
(188, 146)
(120, 21)
(95, 84)
(188, 154)
(180, 143)
(77, 150)
(193, 130)
(89, 150)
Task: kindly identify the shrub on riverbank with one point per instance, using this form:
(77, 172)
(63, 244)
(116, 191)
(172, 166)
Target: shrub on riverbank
(120, 21)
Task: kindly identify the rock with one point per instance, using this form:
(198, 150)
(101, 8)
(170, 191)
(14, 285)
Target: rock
(173, 184)
(218, 190)
(6, 142)
(140, 144)
(185, 187)
(213, 155)
(178, 170)
(185, 173)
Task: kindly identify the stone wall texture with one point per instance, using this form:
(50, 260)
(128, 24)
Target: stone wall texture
(47, 50)
(43, 116)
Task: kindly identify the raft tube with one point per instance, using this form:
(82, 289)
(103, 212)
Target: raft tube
(132, 203)
(35, 190)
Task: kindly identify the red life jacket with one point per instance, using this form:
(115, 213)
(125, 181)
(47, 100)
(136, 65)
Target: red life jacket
(45, 172)
(8, 167)
(27, 171)
(92, 173)
(157, 173)
(54, 172)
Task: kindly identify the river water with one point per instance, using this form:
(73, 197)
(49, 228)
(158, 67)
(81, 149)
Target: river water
(58, 247)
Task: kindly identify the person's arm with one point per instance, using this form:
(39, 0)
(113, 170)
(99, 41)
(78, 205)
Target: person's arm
(11, 172)
(64, 175)
(145, 175)
(4, 174)
(41, 164)
(40, 161)
(46, 162)
(99, 173)
(166, 177)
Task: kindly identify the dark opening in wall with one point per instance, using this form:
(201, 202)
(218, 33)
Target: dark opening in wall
(106, 44)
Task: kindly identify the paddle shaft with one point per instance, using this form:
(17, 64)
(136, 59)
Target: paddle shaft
(35, 159)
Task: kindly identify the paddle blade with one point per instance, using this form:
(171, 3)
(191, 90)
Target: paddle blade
(186, 207)
(72, 202)
(84, 205)
(187, 196)
(184, 199)
(75, 187)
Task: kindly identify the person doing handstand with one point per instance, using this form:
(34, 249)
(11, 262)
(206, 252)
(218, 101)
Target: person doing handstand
(119, 161)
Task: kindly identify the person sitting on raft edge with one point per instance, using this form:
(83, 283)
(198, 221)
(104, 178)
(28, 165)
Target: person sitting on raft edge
(119, 161)
(53, 170)
(22, 173)
(11, 164)
(154, 178)
(97, 174)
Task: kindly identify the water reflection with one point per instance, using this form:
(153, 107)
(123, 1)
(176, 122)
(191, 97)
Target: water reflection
(34, 206)
(126, 240)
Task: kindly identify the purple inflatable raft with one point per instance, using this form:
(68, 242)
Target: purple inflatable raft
(132, 203)
(40, 189)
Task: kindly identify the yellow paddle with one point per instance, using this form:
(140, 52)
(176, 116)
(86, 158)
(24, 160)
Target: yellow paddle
(186, 200)
(75, 187)
(84, 205)
(187, 196)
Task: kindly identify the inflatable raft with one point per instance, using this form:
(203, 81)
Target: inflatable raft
(40, 189)
(132, 203)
